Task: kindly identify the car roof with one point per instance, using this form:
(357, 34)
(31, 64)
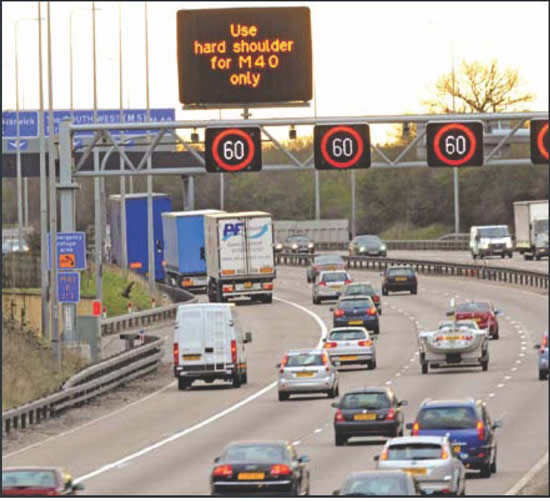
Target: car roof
(32, 468)
(333, 271)
(368, 389)
(392, 267)
(367, 235)
(360, 283)
(300, 351)
(348, 328)
(448, 403)
(416, 439)
(375, 473)
(354, 297)
(252, 442)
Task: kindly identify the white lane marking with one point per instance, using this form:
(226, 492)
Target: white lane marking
(514, 369)
(91, 422)
(176, 436)
(296, 443)
(518, 362)
(205, 422)
(412, 359)
(316, 431)
(520, 332)
(310, 313)
(507, 377)
(528, 476)
(522, 354)
(398, 374)
(406, 367)
(492, 394)
(388, 382)
(500, 385)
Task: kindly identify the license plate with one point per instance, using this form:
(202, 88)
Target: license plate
(415, 470)
(355, 322)
(364, 416)
(251, 475)
(187, 283)
(447, 338)
(348, 358)
(191, 357)
(301, 374)
(457, 448)
(400, 278)
(248, 284)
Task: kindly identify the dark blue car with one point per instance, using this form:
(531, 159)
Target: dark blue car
(470, 428)
(356, 311)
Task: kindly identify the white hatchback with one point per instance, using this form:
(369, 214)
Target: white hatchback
(329, 285)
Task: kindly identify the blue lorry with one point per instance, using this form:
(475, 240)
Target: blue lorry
(184, 251)
(136, 231)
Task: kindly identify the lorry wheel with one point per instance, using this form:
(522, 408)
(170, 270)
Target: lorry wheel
(244, 379)
(268, 299)
(528, 257)
(413, 291)
(537, 257)
(283, 396)
(315, 300)
(424, 368)
(384, 292)
(510, 255)
(236, 380)
(339, 439)
(543, 374)
(370, 365)
(183, 383)
(484, 365)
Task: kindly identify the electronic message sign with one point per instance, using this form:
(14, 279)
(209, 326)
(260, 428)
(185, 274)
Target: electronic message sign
(539, 141)
(454, 144)
(231, 149)
(341, 146)
(245, 55)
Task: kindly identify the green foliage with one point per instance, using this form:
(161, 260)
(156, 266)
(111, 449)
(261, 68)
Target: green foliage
(402, 231)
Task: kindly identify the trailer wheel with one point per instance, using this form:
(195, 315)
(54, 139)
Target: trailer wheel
(424, 368)
(484, 365)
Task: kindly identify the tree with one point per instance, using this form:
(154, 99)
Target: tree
(479, 88)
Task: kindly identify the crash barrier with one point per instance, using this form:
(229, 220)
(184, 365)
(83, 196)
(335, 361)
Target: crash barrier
(107, 374)
(482, 272)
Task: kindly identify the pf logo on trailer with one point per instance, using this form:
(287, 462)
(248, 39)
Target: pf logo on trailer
(539, 141)
(455, 144)
(341, 146)
(233, 149)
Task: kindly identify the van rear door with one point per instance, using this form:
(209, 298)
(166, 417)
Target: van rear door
(217, 336)
(189, 336)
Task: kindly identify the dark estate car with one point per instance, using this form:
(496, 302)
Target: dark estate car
(399, 279)
(38, 481)
(364, 289)
(324, 262)
(373, 411)
(367, 245)
(482, 313)
(299, 244)
(356, 311)
(379, 483)
(260, 468)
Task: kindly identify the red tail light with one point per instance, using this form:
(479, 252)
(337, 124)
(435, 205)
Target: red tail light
(384, 455)
(347, 281)
(322, 283)
(283, 363)
(415, 429)
(364, 343)
(371, 311)
(330, 345)
(280, 470)
(391, 414)
(223, 470)
(339, 416)
(176, 354)
(444, 453)
(227, 289)
(480, 430)
(324, 358)
(376, 298)
(445, 490)
(338, 313)
(233, 351)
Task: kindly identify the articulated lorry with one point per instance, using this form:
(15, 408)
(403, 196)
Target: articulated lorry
(531, 226)
(184, 248)
(239, 256)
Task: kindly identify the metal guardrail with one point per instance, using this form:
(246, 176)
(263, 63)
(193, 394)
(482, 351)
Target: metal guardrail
(498, 274)
(105, 375)
(413, 244)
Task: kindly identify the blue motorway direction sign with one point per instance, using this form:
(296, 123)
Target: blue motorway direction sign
(23, 145)
(28, 120)
(70, 251)
(68, 287)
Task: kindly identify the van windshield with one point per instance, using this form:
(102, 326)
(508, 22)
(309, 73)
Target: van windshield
(494, 232)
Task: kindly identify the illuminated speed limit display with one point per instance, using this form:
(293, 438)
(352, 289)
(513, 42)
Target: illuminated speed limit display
(233, 149)
(539, 141)
(454, 144)
(341, 146)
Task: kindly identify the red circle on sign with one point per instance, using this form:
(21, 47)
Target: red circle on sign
(354, 159)
(540, 141)
(466, 130)
(222, 163)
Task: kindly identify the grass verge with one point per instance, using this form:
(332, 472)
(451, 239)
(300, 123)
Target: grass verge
(402, 231)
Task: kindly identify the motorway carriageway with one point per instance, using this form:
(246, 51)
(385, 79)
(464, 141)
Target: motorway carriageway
(166, 444)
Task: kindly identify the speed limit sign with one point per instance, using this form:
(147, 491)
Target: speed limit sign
(454, 144)
(539, 141)
(233, 149)
(341, 146)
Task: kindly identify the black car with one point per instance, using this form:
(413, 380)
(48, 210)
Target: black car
(379, 483)
(299, 244)
(325, 262)
(356, 311)
(399, 279)
(260, 468)
(367, 245)
(373, 411)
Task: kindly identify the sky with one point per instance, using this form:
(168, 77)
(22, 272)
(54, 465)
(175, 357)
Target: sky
(369, 58)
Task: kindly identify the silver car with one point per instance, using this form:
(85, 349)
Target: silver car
(430, 459)
(307, 371)
(352, 345)
(329, 285)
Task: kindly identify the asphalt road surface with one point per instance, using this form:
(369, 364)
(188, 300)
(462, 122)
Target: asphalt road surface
(165, 445)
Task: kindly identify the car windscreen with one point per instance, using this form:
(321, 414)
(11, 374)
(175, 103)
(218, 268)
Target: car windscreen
(305, 359)
(453, 417)
(355, 304)
(400, 271)
(416, 451)
(28, 478)
(335, 277)
(494, 232)
(378, 485)
(349, 334)
(360, 289)
(369, 401)
(260, 453)
(327, 260)
(298, 239)
(368, 240)
(473, 307)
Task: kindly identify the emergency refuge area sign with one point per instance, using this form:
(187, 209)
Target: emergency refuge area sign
(70, 251)
(245, 55)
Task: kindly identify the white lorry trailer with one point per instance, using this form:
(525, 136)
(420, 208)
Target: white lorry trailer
(531, 227)
(239, 256)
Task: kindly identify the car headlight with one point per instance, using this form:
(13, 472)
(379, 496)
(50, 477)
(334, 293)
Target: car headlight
(484, 245)
(310, 245)
(383, 247)
(362, 249)
(508, 244)
(278, 246)
(294, 246)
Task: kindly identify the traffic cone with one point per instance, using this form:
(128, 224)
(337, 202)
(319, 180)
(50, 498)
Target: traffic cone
(129, 307)
(104, 316)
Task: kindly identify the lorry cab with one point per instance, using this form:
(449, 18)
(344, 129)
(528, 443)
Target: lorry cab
(490, 240)
(209, 345)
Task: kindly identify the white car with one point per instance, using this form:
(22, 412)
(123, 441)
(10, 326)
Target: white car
(352, 345)
(329, 285)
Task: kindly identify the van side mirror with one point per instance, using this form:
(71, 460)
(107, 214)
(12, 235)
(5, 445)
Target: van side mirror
(450, 313)
(498, 312)
(159, 245)
(216, 459)
(331, 309)
(376, 458)
(304, 459)
(248, 337)
(537, 346)
(498, 424)
(335, 493)
(403, 403)
(278, 365)
(409, 426)
(78, 487)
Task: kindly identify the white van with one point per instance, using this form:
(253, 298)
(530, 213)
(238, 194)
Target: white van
(490, 240)
(209, 344)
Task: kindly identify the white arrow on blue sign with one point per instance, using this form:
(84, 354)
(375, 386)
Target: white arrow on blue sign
(23, 145)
